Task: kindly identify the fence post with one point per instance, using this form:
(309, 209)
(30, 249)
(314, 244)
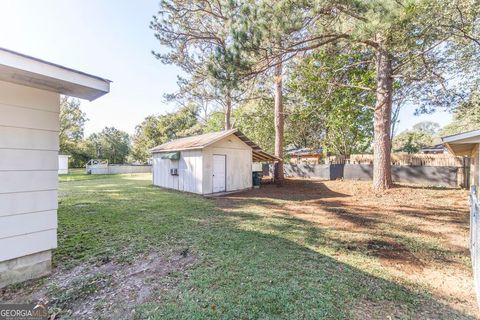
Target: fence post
(474, 236)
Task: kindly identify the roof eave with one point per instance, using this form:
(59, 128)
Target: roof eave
(174, 150)
(462, 137)
(36, 73)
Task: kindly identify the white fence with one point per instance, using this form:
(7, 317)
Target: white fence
(128, 168)
(475, 238)
(95, 166)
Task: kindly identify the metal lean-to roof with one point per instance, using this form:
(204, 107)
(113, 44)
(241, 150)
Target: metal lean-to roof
(204, 140)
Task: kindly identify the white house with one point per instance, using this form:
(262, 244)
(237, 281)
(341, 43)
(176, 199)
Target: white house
(29, 125)
(467, 144)
(63, 164)
(208, 163)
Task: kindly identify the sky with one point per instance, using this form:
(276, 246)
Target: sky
(110, 39)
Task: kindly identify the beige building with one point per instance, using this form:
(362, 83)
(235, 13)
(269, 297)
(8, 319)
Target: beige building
(209, 163)
(305, 156)
(467, 144)
(63, 164)
(29, 125)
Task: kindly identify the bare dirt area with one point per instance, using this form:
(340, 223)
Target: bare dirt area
(105, 291)
(411, 235)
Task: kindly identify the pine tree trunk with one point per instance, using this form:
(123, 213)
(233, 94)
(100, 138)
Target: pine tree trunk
(279, 124)
(382, 168)
(228, 111)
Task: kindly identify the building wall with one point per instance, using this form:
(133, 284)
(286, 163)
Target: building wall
(62, 164)
(189, 168)
(29, 129)
(239, 164)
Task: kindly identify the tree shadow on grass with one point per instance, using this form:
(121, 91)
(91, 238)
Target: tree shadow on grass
(248, 273)
(249, 265)
(298, 190)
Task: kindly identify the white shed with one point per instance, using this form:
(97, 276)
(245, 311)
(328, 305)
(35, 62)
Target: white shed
(29, 125)
(63, 164)
(209, 163)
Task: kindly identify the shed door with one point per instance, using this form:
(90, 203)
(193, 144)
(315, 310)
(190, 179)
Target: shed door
(219, 176)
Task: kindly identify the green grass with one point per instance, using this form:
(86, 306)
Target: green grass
(249, 266)
(78, 174)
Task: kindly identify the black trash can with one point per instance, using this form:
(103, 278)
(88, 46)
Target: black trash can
(257, 178)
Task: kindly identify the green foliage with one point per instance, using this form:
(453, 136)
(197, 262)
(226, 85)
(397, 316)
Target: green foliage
(304, 126)
(72, 120)
(72, 123)
(335, 96)
(428, 127)
(412, 141)
(215, 122)
(431, 43)
(156, 130)
(81, 152)
(255, 120)
(466, 117)
(196, 36)
(111, 144)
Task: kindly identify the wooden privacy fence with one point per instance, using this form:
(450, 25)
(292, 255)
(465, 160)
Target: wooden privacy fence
(401, 159)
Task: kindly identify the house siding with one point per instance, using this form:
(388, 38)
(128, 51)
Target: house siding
(29, 129)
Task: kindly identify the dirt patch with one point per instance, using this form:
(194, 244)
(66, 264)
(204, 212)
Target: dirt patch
(110, 290)
(394, 255)
(380, 310)
(354, 218)
(415, 235)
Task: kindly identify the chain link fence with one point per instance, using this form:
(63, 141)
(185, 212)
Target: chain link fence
(475, 239)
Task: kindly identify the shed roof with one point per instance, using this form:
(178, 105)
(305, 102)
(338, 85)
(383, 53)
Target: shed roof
(462, 144)
(204, 140)
(32, 72)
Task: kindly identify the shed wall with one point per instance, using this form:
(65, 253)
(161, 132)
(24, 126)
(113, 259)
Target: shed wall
(238, 164)
(29, 129)
(189, 167)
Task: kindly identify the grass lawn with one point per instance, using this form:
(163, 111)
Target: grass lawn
(308, 250)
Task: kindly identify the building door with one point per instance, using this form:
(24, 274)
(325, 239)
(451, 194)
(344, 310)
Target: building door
(219, 172)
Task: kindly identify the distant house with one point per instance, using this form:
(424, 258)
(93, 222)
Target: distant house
(29, 124)
(435, 149)
(209, 163)
(467, 144)
(305, 155)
